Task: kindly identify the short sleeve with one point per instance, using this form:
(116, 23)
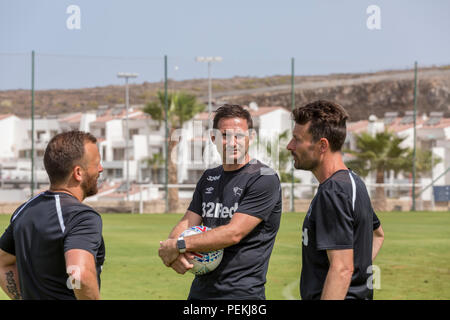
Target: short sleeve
(261, 197)
(7, 241)
(333, 221)
(196, 202)
(376, 221)
(84, 232)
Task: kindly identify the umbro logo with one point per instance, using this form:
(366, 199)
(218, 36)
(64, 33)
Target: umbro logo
(213, 178)
(209, 190)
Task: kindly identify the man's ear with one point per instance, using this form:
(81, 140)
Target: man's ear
(215, 133)
(324, 145)
(77, 173)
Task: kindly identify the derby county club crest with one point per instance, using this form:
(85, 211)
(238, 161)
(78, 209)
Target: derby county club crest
(237, 191)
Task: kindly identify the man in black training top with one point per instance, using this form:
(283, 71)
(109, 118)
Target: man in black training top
(341, 233)
(241, 201)
(53, 247)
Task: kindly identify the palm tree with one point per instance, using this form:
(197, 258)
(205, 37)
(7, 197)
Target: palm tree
(181, 108)
(155, 162)
(424, 162)
(380, 153)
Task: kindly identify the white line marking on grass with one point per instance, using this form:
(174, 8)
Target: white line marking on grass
(287, 290)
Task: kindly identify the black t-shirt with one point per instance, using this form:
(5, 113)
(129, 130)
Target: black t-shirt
(40, 232)
(340, 217)
(254, 190)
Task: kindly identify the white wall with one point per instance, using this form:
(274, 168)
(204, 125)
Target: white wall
(439, 168)
(86, 120)
(8, 128)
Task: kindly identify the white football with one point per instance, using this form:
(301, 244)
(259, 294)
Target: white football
(203, 262)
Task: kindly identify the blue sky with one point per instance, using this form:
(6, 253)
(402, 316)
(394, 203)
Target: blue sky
(255, 38)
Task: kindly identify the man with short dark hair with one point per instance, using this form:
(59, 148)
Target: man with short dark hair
(241, 201)
(53, 247)
(341, 233)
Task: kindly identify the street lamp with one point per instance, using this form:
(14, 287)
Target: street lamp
(209, 60)
(127, 76)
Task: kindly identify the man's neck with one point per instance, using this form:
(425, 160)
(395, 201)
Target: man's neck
(330, 164)
(236, 166)
(75, 193)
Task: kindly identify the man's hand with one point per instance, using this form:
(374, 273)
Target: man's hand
(168, 251)
(181, 263)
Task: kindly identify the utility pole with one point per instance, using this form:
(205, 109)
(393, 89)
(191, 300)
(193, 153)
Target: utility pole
(166, 111)
(126, 76)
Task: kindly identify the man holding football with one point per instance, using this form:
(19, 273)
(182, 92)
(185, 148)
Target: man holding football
(241, 201)
(341, 233)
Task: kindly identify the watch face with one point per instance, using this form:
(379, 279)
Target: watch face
(181, 245)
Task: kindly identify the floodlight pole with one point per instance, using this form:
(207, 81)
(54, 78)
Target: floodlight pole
(209, 60)
(166, 115)
(127, 76)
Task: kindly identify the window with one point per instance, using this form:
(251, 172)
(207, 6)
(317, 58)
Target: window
(23, 154)
(40, 134)
(118, 173)
(118, 154)
(133, 132)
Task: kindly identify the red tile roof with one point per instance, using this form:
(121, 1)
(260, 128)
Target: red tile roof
(254, 113)
(4, 116)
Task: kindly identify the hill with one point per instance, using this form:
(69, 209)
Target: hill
(361, 94)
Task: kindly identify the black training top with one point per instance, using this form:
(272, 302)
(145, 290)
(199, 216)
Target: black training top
(254, 190)
(340, 217)
(40, 232)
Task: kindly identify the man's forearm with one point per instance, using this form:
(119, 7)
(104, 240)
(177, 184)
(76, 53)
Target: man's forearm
(377, 243)
(178, 229)
(336, 284)
(9, 281)
(218, 238)
(189, 219)
(86, 287)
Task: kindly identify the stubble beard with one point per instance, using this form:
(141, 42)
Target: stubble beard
(89, 186)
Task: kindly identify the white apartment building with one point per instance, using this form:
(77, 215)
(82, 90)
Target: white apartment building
(195, 152)
(432, 133)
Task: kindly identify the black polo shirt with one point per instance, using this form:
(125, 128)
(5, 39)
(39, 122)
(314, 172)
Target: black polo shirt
(40, 232)
(340, 217)
(255, 190)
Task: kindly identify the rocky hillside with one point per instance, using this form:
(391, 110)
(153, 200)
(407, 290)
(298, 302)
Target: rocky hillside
(361, 94)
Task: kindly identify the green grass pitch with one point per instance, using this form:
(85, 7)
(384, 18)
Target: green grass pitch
(414, 262)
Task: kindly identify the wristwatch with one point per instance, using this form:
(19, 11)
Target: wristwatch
(181, 245)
